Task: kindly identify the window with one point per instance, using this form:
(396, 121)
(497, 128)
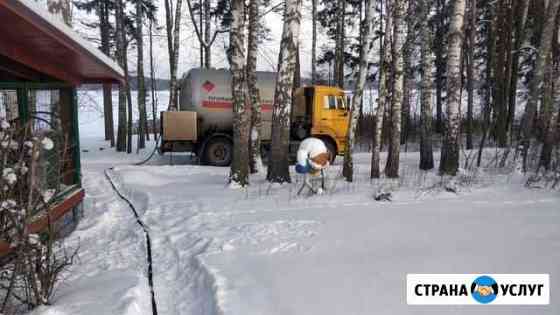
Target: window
(330, 102)
(340, 103)
(9, 105)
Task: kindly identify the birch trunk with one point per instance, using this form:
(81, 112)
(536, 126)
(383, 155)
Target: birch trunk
(355, 109)
(142, 123)
(239, 166)
(278, 169)
(382, 96)
(537, 79)
(255, 161)
(440, 63)
(470, 72)
(449, 163)
(120, 51)
(426, 151)
(409, 80)
(399, 33)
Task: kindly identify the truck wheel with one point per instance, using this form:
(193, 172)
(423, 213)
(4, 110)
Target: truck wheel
(332, 149)
(218, 152)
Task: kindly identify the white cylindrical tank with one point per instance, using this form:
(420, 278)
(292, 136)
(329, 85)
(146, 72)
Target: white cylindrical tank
(208, 93)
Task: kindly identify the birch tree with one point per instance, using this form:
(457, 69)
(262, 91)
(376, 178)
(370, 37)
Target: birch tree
(399, 33)
(173, 25)
(449, 163)
(439, 50)
(536, 82)
(255, 161)
(471, 40)
(355, 108)
(377, 143)
(409, 73)
(426, 151)
(239, 166)
(278, 170)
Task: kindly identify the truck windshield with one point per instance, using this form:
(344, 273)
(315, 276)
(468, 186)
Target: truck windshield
(335, 102)
(341, 103)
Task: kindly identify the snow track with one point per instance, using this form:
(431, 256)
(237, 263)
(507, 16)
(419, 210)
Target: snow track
(148, 242)
(182, 282)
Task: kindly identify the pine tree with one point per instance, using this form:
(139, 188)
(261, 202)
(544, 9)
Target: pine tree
(441, 26)
(536, 82)
(143, 121)
(314, 42)
(173, 26)
(520, 20)
(339, 44)
(61, 8)
(551, 123)
(449, 163)
(103, 9)
(121, 56)
(355, 108)
(278, 170)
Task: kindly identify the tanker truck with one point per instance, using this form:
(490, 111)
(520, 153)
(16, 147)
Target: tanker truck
(204, 122)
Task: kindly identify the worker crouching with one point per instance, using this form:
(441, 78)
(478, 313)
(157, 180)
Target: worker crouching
(312, 160)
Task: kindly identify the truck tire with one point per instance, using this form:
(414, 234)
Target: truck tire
(332, 149)
(218, 151)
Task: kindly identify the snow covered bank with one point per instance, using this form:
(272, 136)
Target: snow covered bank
(266, 251)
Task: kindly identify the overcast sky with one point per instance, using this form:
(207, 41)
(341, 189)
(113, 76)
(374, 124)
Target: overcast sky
(189, 48)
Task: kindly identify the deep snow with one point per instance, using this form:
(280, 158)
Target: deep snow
(265, 250)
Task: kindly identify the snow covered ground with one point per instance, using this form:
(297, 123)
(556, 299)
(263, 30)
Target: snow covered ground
(266, 250)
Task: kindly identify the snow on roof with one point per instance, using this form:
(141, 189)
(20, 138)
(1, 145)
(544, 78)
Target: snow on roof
(59, 25)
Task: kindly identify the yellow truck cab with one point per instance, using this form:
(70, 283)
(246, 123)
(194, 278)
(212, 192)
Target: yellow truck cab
(321, 112)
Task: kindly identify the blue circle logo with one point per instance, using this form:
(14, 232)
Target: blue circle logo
(484, 289)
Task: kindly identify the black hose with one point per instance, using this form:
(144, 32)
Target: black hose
(151, 154)
(146, 233)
